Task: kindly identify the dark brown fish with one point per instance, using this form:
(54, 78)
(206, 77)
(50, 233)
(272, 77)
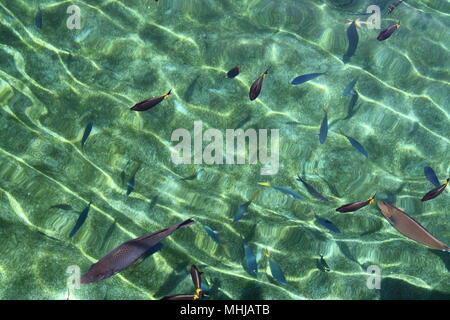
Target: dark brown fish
(233, 72)
(409, 227)
(127, 253)
(149, 103)
(386, 33)
(196, 279)
(436, 191)
(255, 89)
(353, 206)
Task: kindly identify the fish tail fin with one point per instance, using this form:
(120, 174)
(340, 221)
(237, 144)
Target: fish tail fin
(372, 198)
(264, 184)
(167, 94)
(186, 223)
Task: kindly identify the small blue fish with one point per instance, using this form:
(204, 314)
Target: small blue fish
(353, 39)
(328, 224)
(80, 221)
(322, 264)
(62, 206)
(429, 173)
(311, 190)
(38, 18)
(87, 132)
(349, 88)
(243, 209)
(287, 191)
(350, 109)
(250, 260)
(212, 233)
(275, 270)
(131, 182)
(357, 145)
(306, 77)
(323, 129)
(130, 185)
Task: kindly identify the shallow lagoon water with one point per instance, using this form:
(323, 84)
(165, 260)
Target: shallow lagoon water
(54, 80)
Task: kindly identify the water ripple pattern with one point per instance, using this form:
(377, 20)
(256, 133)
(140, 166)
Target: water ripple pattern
(54, 80)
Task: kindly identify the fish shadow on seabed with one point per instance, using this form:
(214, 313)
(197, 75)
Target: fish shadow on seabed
(445, 257)
(251, 292)
(395, 289)
(215, 292)
(170, 285)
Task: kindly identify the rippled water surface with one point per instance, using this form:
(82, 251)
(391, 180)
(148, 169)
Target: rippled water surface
(54, 80)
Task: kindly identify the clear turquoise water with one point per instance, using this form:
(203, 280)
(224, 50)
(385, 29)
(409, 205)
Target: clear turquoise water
(54, 80)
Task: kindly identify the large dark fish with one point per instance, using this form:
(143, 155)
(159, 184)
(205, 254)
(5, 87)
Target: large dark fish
(38, 18)
(409, 227)
(87, 132)
(386, 33)
(127, 253)
(233, 72)
(436, 191)
(311, 190)
(80, 221)
(353, 206)
(357, 145)
(306, 77)
(323, 129)
(255, 89)
(196, 279)
(150, 103)
(429, 173)
(349, 88)
(393, 6)
(353, 39)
